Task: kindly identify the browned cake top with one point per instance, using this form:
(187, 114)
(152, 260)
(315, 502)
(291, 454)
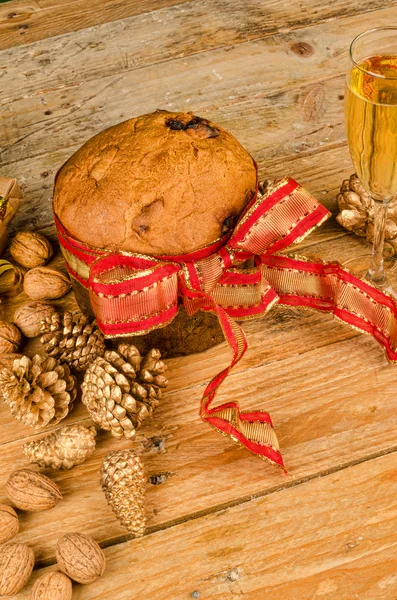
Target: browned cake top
(162, 183)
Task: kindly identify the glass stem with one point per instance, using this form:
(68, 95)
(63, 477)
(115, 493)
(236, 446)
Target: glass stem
(376, 271)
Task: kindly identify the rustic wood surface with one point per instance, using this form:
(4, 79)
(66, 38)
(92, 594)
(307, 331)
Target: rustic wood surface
(221, 523)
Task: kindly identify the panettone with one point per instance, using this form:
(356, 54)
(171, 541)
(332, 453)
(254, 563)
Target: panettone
(160, 184)
(163, 183)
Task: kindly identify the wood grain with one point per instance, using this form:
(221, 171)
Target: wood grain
(207, 23)
(219, 78)
(321, 415)
(332, 538)
(248, 97)
(178, 32)
(75, 114)
(25, 21)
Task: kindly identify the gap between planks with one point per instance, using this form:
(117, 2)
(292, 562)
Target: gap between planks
(292, 483)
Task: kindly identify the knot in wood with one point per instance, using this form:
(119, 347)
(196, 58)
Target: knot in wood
(303, 49)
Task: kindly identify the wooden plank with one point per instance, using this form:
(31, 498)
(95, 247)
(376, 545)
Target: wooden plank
(25, 21)
(261, 121)
(207, 23)
(264, 127)
(180, 31)
(250, 97)
(325, 417)
(333, 537)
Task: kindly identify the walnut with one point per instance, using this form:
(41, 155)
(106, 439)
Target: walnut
(31, 249)
(52, 586)
(16, 566)
(10, 338)
(32, 491)
(80, 557)
(29, 317)
(9, 524)
(43, 283)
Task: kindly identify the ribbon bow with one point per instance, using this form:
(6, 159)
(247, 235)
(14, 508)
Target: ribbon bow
(132, 294)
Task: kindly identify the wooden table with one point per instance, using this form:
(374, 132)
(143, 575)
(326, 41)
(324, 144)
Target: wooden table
(221, 523)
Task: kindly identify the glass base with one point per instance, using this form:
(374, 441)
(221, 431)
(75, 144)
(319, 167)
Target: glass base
(361, 266)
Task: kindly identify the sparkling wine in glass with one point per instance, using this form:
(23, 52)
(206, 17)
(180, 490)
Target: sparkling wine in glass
(371, 124)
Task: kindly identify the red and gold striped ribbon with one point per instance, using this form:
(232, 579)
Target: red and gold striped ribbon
(134, 294)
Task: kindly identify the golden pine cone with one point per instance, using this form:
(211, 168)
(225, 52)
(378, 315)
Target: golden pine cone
(121, 389)
(124, 483)
(72, 339)
(63, 449)
(39, 391)
(357, 213)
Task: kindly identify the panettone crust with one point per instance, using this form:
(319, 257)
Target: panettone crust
(163, 183)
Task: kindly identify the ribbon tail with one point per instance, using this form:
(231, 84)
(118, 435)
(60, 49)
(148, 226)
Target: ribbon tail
(331, 288)
(254, 430)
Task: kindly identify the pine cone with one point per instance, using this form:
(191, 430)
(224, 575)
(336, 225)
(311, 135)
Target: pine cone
(72, 339)
(120, 389)
(357, 213)
(124, 484)
(39, 391)
(64, 449)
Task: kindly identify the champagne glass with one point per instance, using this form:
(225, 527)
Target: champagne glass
(371, 125)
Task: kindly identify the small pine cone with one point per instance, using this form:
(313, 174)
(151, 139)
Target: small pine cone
(39, 391)
(123, 481)
(121, 389)
(355, 205)
(64, 449)
(357, 213)
(72, 339)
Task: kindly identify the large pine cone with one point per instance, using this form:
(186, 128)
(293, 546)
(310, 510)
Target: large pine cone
(357, 213)
(72, 339)
(121, 389)
(63, 449)
(39, 391)
(123, 481)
